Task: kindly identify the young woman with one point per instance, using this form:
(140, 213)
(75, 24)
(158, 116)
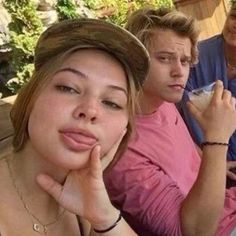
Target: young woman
(69, 121)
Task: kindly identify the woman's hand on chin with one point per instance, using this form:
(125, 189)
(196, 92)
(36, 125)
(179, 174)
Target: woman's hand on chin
(83, 192)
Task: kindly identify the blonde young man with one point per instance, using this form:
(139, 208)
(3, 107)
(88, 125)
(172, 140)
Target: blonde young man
(160, 183)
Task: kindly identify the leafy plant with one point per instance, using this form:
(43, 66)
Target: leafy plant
(25, 28)
(94, 4)
(117, 11)
(66, 9)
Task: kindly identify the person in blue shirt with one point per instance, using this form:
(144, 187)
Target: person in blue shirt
(217, 60)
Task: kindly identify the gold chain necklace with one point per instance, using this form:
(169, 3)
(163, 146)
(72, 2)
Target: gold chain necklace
(38, 227)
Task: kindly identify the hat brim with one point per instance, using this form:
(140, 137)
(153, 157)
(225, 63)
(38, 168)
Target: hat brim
(82, 33)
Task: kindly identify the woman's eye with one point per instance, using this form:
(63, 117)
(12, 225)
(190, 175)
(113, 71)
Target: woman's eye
(66, 89)
(112, 105)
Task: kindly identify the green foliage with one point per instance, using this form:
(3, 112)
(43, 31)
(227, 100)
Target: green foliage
(66, 9)
(94, 4)
(25, 28)
(120, 9)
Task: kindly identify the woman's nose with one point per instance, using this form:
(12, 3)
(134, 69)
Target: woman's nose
(86, 110)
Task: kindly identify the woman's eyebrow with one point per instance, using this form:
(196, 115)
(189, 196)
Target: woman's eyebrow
(81, 74)
(74, 71)
(114, 87)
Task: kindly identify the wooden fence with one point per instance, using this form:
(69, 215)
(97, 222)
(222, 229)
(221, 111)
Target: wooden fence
(210, 14)
(6, 129)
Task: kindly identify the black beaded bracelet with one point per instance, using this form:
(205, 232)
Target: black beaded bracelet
(110, 227)
(207, 143)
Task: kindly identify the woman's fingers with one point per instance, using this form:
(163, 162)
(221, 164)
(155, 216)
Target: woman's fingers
(50, 186)
(95, 157)
(95, 162)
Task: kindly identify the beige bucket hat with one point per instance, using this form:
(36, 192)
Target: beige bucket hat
(94, 33)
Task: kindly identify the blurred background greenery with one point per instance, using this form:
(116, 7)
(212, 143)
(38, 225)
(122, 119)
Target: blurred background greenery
(28, 21)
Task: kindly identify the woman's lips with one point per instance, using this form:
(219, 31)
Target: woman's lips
(78, 141)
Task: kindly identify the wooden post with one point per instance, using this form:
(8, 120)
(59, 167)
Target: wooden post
(210, 14)
(6, 130)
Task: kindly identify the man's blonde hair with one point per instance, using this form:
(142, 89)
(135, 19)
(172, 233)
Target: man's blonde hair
(143, 21)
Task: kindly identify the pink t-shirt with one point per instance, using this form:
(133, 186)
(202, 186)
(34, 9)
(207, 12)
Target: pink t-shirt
(155, 174)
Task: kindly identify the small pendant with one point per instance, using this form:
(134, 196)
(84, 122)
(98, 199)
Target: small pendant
(39, 228)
